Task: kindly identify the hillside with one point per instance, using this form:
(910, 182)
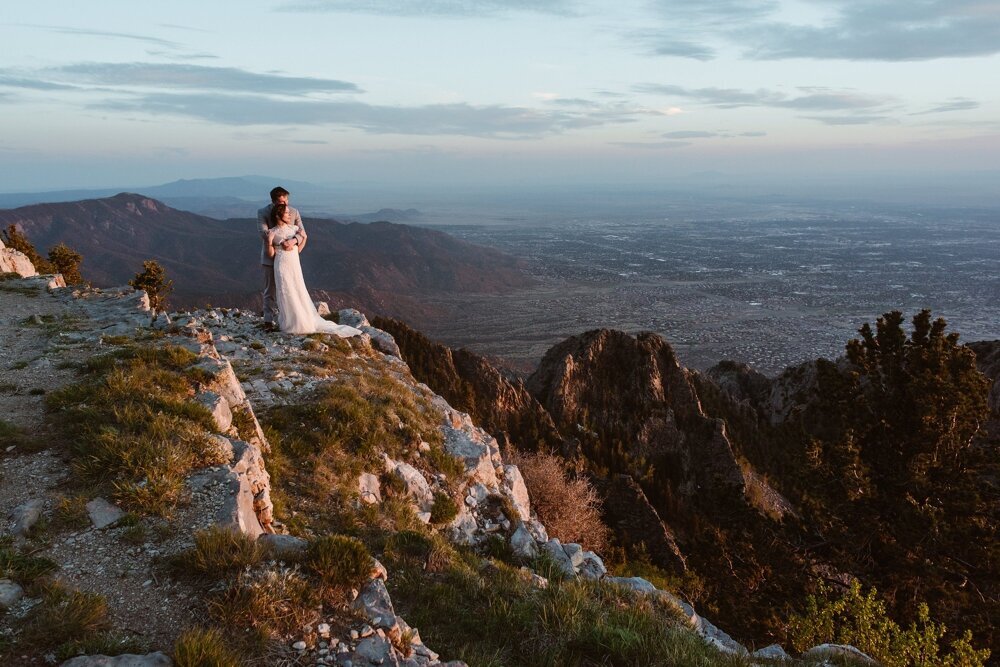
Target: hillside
(735, 482)
(190, 491)
(381, 266)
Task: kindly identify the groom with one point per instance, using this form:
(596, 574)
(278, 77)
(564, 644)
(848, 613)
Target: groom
(279, 195)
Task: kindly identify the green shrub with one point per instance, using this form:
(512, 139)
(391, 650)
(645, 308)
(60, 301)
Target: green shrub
(444, 509)
(103, 643)
(860, 619)
(203, 647)
(339, 561)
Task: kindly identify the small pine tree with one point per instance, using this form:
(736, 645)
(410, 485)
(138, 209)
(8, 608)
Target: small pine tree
(67, 261)
(14, 238)
(153, 279)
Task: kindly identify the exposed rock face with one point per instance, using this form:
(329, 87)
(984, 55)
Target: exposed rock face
(629, 513)
(500, 404)
(13, 261)
(631, 393)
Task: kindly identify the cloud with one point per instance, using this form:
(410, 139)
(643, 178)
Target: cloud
(689, 134)
(651, 145)
(185, 77)
(885, 30)
(753, 134)
(814, 99)
(954, 104)
(848, 120)
(494, 121)
(9, 81)
(432, 8)
(105, 33)
(170, 55)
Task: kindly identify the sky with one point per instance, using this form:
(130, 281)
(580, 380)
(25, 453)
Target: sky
(517, 93)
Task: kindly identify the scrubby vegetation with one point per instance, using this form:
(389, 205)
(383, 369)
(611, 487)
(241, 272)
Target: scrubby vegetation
(62, 259)
(859, 619)
(135, 427)
(569, 507)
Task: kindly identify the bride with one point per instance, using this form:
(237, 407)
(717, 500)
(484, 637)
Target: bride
(296, 312)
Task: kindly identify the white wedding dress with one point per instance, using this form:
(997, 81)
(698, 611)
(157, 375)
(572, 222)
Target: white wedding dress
(296, 312)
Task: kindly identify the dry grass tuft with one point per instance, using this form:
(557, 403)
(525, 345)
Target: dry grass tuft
(339, 561)
(218, 551)
(270, 603)
(570, 508)
(203, 647)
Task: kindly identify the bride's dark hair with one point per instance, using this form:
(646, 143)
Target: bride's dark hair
(276, 212)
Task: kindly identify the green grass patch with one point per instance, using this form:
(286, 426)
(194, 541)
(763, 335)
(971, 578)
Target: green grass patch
(493, 615)
(135, 427)
(24, 568)
(339, 561)
(70, 513)
(444, 509)
(63, 618)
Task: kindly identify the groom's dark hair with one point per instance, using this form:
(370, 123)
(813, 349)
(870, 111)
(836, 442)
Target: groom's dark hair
(278, 192)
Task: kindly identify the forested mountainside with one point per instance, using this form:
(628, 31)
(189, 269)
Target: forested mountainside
(880, 466)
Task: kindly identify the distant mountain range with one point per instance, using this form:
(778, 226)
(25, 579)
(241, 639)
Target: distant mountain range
(381, 266)
(220, 198)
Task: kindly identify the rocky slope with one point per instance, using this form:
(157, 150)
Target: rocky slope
(693, 466)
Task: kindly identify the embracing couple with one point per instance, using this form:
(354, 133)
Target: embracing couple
(285, 294)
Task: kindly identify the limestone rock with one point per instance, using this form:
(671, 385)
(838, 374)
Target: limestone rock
(14, 261)
(575, 553)
(772, 651)
(592, 566)
(720, 640)
(103, 513)
(375, 604)
(558, 555)
(374, 650)
(369, 488)
(416, 487)
(127, 660)
(282, 546)
(237, 511)
(219, 407)
(838, 651)
(352, 318)
(518, 493)
(476, 455)
(523, 544)
(10, 593)
(323, 308)
(26, 515)
(635, 583)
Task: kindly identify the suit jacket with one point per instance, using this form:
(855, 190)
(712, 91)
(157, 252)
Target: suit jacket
(263, 215)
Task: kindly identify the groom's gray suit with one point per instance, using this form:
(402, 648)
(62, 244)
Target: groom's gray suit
(267, 263)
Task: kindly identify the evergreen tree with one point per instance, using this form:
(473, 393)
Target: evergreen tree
(67, 261)
(14, 238)
(153, 279)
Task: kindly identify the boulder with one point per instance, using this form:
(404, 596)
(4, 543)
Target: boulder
(14, 261)
(838, 651)
(26, 515)
(416, 487)
(575, 553)
(374, 650)
(592, 566)
(475, 455)
(237, 510)
(513, 481)
(523, 544)
(369, 489)
(635, 583)
(222, 415)
(352, 318)
(374, 603)
(323, 308)
(103, 513)
(127, 660)
(10, 593)
(282, 547)
(559, 558)
(773, 651)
